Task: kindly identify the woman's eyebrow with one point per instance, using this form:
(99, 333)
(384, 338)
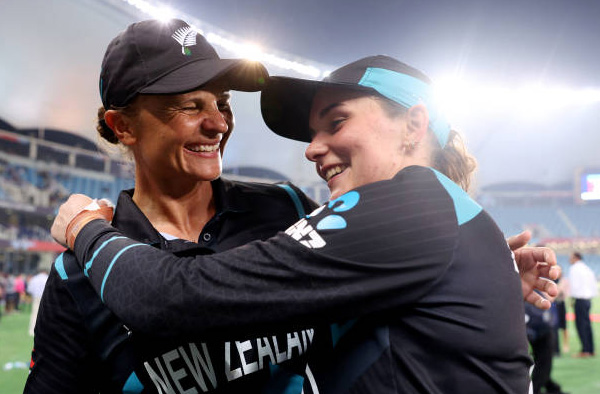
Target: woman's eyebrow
(326, 110)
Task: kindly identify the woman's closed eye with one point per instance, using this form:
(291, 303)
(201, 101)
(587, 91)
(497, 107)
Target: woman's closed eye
(336, 123)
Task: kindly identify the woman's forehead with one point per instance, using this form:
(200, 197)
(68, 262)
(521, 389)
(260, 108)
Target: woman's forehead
(333, 97)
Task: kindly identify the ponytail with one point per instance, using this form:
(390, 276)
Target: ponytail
(454, 161)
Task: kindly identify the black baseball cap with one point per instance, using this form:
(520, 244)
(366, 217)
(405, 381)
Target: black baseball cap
(286, 102)
(157, 57)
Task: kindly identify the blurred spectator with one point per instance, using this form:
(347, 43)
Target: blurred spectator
(36, 288)
(19, 286)
(583, 288)
(11, 293)
(540, 333)
(3, 285)
(561, 317)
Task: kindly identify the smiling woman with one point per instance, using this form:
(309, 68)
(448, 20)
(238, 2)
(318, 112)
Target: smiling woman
(413, 277)
(166, 99)
(162, 133)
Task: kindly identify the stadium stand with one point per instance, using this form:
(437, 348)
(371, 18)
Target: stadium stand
(39, 169)
(551, 214)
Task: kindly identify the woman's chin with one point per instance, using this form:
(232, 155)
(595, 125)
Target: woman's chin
(335, 193)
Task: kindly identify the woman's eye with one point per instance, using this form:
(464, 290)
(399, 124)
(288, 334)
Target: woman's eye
(336, 123)
(189, 108)
(223, 106)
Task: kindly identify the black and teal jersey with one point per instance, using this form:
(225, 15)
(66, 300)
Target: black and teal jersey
(415, 276)
(81, 347)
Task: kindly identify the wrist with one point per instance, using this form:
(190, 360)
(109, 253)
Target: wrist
(83, 218)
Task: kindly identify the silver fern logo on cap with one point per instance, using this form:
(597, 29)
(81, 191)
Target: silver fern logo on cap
(186, 37)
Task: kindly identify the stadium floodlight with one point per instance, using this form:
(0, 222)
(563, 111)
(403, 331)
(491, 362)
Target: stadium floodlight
(156, 10)
(246, 51)
(457, 97)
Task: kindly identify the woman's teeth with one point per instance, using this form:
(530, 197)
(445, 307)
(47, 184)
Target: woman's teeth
(333, 171)
(203, 148)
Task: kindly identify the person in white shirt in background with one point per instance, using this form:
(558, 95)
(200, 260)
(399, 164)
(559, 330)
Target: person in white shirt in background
(583, 287)
(35, 288)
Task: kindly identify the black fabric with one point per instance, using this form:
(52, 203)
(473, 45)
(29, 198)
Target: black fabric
(168, 57)
(583, 324)
(539, 322)
(420, 281)
(81, 347)
(542, 349)
(285, 102)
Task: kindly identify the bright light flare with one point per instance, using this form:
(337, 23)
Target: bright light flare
(251, 52)
(164, 14)
(458, 98)
(159, 11)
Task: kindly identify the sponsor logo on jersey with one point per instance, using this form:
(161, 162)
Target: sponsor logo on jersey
(307, 235)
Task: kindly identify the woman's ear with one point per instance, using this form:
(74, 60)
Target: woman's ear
(417, 122)
(121, 125)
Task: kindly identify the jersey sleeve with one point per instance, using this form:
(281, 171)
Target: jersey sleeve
(61, 361)
(349, 258)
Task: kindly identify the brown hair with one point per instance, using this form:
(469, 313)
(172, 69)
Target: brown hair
(452, 160)
(104, 131)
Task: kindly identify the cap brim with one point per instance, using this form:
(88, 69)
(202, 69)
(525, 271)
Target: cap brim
(285, 104)
(237, 74)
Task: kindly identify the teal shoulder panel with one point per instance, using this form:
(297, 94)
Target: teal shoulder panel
(466, 208)
(295, 198)
(59, 264)
(133, 385)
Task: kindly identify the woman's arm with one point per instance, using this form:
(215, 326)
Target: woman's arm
(342, 262)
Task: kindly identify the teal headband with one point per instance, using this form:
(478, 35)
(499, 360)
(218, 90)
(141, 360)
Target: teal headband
(407, 91)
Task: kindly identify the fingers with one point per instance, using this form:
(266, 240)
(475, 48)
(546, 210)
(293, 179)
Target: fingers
(518, 241)
(539, 254)
(548, 287)
(555, 272)
(105, 202)
(551, 272)
(538, 301)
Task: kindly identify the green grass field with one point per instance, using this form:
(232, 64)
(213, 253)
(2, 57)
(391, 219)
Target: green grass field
(15, 350)
(577, 376)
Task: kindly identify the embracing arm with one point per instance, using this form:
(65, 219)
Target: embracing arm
(537, 268)
(316, 271)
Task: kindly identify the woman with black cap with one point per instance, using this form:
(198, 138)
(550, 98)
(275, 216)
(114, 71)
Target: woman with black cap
(165, 96)
(418, 272)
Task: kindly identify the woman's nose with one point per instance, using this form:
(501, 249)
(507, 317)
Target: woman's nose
(215, 122)
(316, 148)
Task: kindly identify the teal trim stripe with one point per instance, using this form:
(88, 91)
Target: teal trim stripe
(339, 330)
(408, 91)
(133, 385)
(283, 381)
(88, 265)
(295, 198)
(114, 260)
(59, 264)
(466, 208)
